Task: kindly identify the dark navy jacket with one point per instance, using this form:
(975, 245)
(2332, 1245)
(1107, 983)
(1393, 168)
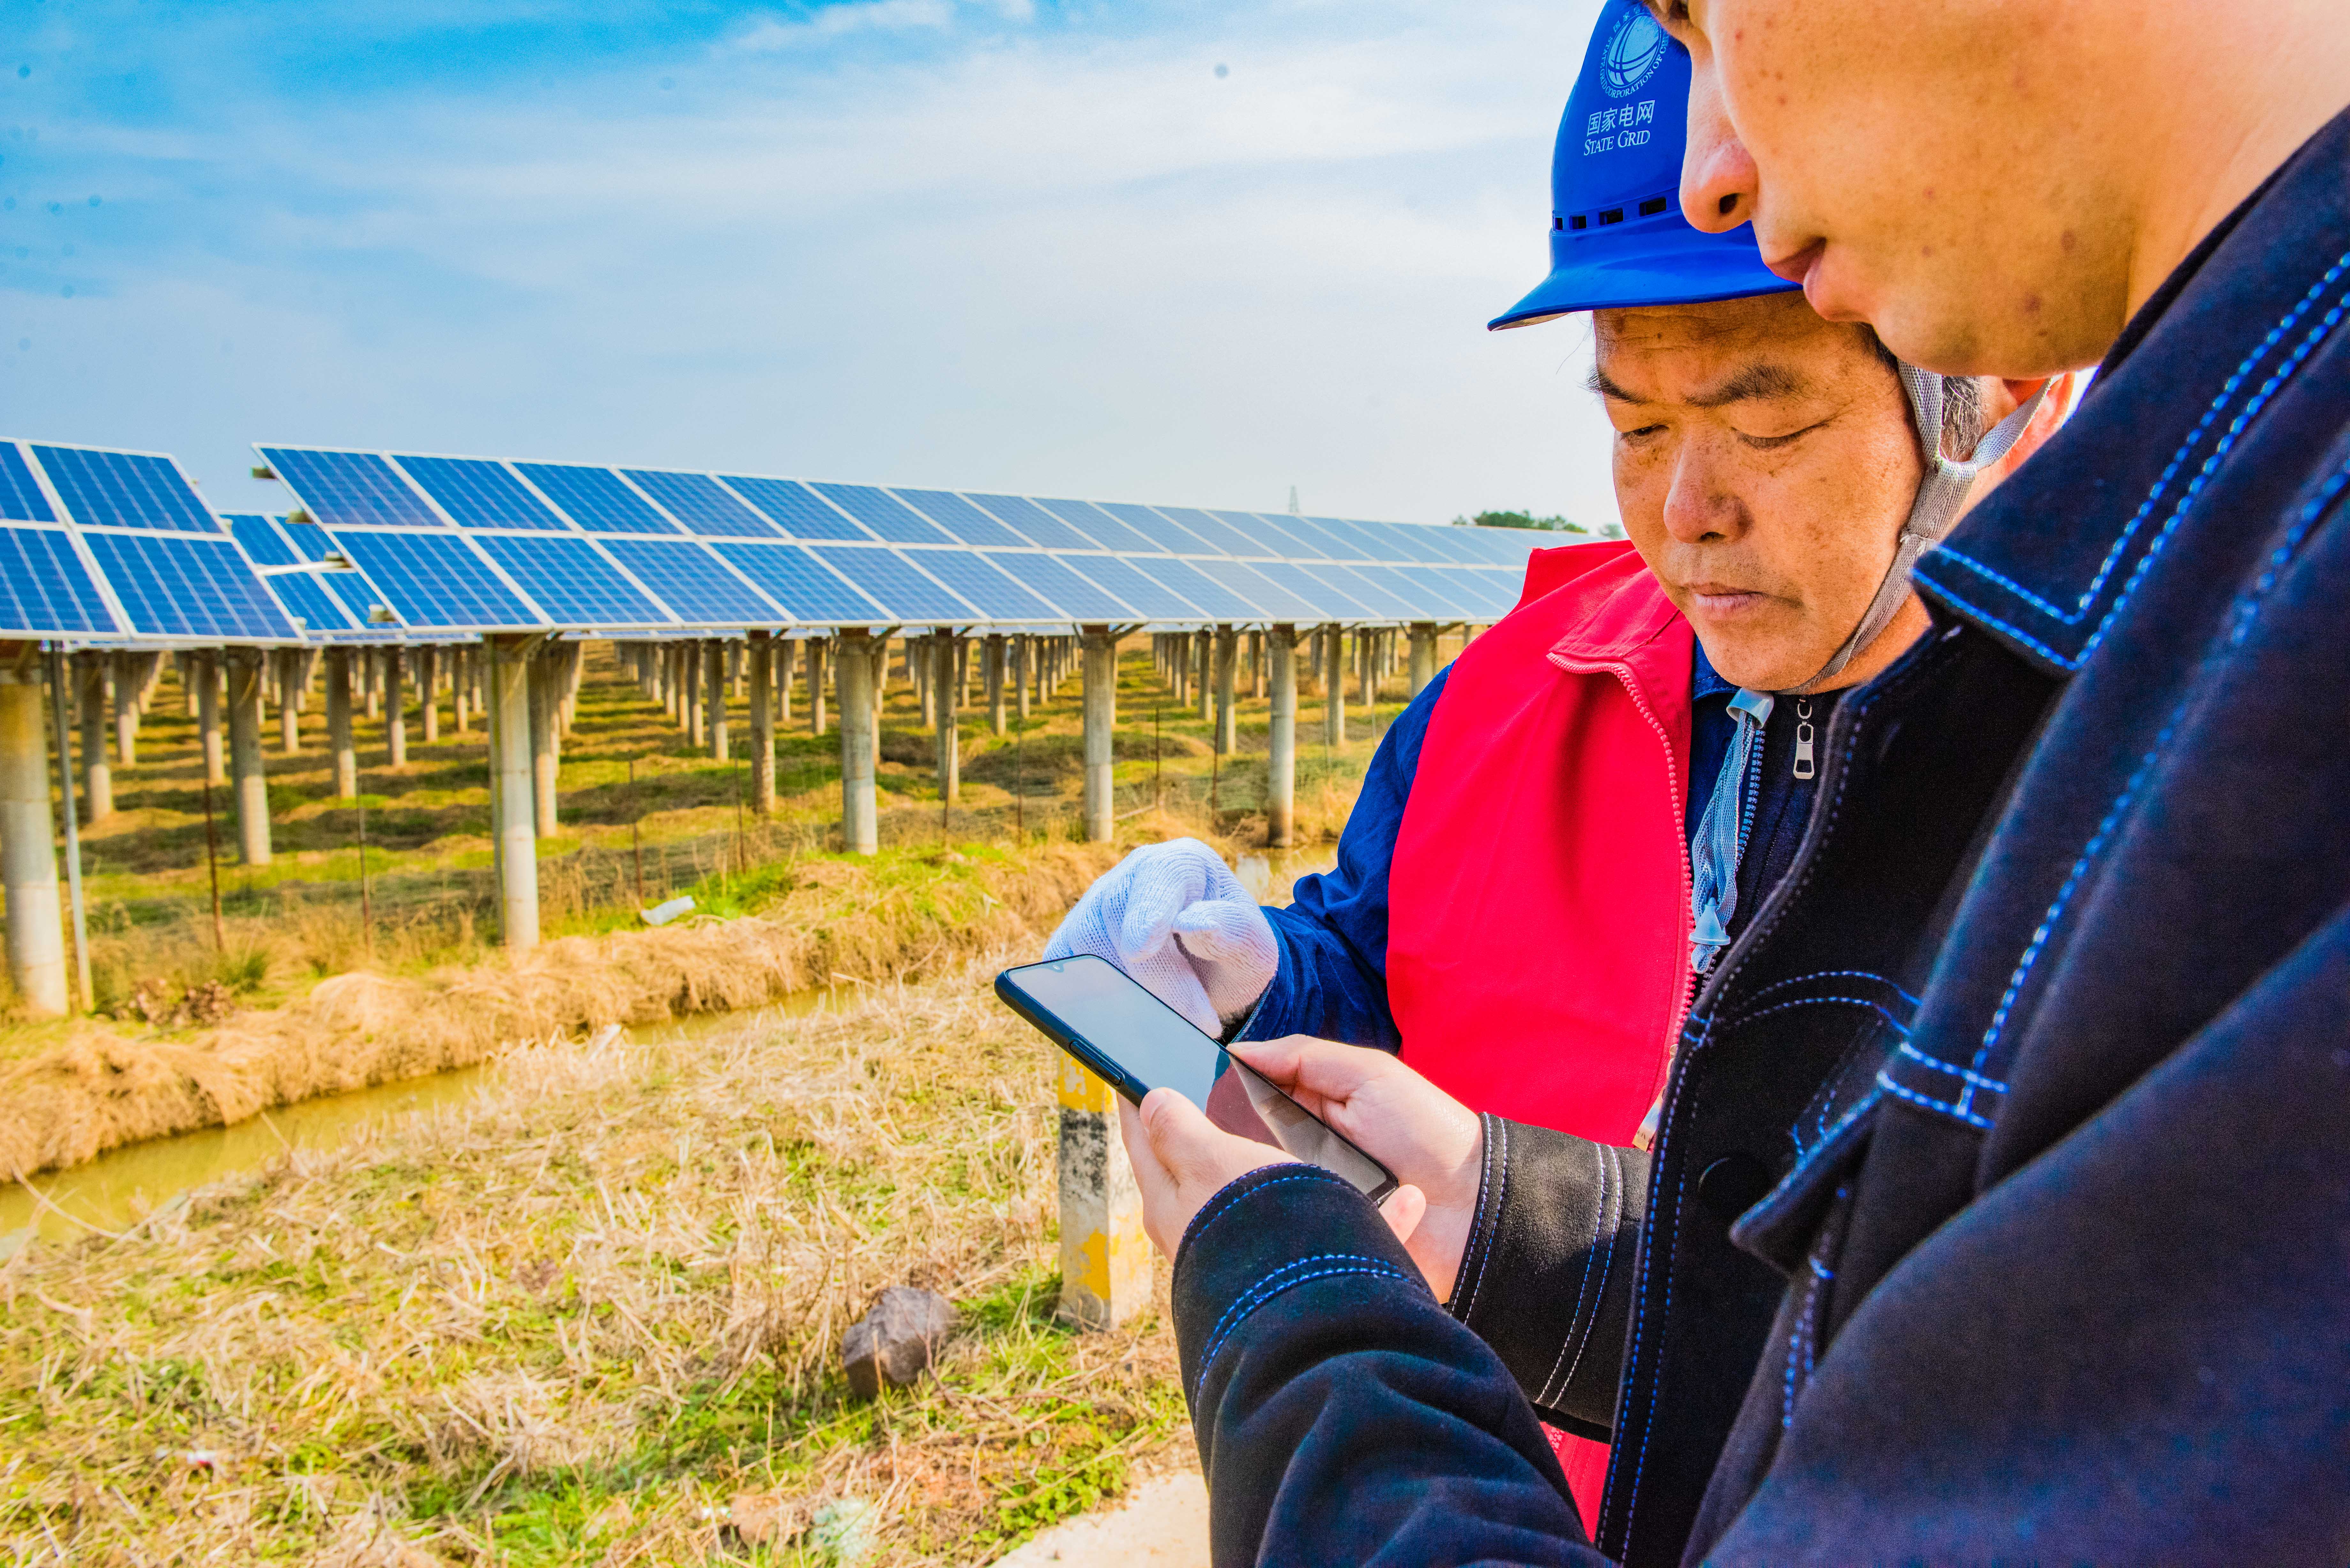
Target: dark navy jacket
(2038, 1063)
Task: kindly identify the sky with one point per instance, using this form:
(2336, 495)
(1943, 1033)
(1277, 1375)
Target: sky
(1192, 253)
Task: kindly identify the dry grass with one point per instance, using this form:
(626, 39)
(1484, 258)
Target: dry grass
(909, 913)
(570, 1320)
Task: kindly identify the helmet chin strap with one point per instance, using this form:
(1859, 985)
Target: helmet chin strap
(1939, 495)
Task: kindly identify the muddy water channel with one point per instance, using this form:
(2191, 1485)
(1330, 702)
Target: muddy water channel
(118, 1189)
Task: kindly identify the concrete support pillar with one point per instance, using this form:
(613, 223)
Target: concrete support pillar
(28, 860)
(428, 692)
(785, 667)
(371, 683)
(1423, 655)
(921, 673)
(340, 741)
(286, 665)
(250, 786)
(1334, 701)
(817, 648)
(714, 660)
(1100, 660)
(205, 665)
(1366, 666)
(461, 689)
(129, 673)
(1228, 706)
(511, 805)
(761, 658)
(1281, 767)
(97, 776)
(1203, 648)
(858, 666)
(395, 707)
(994, 676)
(1256, 663)
(187, 665)
(546, 697)
(692, 669)
(1104, 1255)
(1023, 656)
(946, 693)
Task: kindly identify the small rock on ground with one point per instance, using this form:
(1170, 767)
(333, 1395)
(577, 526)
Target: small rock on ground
(1161, 1523)
(895, 1342)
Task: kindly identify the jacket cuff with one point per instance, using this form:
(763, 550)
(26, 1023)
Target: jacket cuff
(1264, 1234)
(1546, 1276)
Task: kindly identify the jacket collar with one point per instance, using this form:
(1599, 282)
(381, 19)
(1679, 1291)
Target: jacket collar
(1617, 620)
(2046, 562)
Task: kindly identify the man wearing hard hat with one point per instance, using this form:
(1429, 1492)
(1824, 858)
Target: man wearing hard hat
(1568, 828)
(1999, 1204)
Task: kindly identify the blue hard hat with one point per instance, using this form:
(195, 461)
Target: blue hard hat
(1617, 235)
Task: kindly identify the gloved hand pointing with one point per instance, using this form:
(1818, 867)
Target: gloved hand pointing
(1175, 918)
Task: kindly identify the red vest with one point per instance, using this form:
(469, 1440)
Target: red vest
(1539, 908)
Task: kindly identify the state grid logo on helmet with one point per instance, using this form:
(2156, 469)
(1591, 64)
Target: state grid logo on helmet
(1634, 54)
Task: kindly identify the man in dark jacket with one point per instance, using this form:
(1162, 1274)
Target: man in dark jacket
(2005, 1166)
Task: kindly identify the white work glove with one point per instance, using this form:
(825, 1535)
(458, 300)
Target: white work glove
(1175, 918)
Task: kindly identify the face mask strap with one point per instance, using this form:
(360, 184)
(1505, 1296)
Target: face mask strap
(1939, 496)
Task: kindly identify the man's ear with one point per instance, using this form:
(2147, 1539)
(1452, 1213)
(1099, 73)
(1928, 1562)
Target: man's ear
(2002, 397)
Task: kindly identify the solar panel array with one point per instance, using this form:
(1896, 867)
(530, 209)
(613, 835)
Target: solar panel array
(117, 547)
(468, 545)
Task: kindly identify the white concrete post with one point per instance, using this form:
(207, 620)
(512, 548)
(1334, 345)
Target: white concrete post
(98, 778)
(993, 674)
(1228, 710)
(28, 860)
(1105, 1255)
(861, 820)
(546, 739)
(714, 661)
(340, 740)
(817, 648)
(946, 694)
(1333, 699)
(1423, 655)
(250, 785)
(1100, 659)
(507, 691)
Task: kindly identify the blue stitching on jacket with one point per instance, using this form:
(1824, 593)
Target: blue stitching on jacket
(1954, 1111)
(1273, 1285)
(1810, 1156)
(1226, 1195)
(2219, 405)
(2245, 614)
(1878, 1008)
(1583, 1288)
(1834, 975)
(1973, 1078)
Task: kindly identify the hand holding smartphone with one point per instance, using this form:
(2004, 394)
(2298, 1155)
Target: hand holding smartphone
(1136, 1043)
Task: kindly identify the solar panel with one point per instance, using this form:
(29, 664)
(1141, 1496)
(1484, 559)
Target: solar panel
(1350, 583)
(1040, 526)
(1078, 598)
(701, 504)
(595, 498)
(20, 497)
(1336, 547)
(171, 585)
(1323, 600)
(1219, 535)
(1160, 529)
(907, 594)
(436, 581)
(1274, 601)
(959, 517)
(978, 580)
(694, 583)
(1420, 602)
(1151, 600)
(124, 490)
(350, 489)
(883, 513)
(796, 509)
(572, 581)
(1272, 538)
(1106, 531)
(45, 589)
(1502, 587)
(351, 590)
(802, 584)
(1446, 588)
(480, 494)
(304, 597)
(1218, 600)
(1359, 544)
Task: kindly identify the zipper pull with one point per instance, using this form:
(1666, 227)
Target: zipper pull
(1805, 766)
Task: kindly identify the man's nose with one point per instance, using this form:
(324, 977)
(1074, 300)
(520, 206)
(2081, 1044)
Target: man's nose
(1702, 504)
(1719, 184)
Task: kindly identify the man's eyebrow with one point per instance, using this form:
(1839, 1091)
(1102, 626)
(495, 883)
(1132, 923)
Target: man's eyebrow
(1750, 383)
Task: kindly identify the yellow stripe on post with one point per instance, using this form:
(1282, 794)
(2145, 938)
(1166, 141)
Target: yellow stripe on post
(1104, 1255)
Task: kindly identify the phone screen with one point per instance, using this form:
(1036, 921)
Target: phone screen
(1137, 1042)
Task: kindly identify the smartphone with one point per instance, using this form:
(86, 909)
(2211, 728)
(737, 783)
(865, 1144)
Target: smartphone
(1136, 1043)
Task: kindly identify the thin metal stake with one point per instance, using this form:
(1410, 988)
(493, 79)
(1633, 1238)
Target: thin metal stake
(1019, 781)
(73, 830)
(366, 898)
(211, 864)
(635, 834)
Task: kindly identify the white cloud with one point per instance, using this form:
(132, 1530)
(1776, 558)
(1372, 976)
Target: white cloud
(774, 33)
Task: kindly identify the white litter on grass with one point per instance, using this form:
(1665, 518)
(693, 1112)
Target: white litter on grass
(845, 1531)
(662, 914)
